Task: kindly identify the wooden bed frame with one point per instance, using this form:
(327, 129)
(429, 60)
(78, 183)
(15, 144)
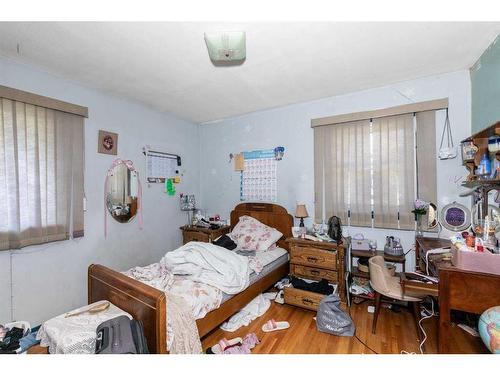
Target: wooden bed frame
(148, 304)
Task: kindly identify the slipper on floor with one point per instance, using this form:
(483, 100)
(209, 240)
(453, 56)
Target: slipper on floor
(273, 325)
(223, 345)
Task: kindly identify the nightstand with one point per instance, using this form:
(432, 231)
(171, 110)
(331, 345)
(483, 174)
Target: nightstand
(200, 234)
(315, 261)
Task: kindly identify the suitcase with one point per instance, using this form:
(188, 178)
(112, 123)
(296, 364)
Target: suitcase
(121, 335)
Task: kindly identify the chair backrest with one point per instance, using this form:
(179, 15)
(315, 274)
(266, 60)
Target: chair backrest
(379, 274)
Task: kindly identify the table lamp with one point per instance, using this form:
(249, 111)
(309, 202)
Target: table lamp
(301, 213)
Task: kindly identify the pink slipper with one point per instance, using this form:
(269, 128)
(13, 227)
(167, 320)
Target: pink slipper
(273, 325)
(223, 345)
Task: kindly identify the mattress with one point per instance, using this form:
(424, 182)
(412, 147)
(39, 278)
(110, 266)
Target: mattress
(270, 260)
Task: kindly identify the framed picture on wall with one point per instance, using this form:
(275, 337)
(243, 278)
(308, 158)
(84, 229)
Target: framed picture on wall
(107, 143)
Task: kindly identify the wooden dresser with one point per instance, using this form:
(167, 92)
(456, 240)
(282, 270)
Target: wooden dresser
(192, 233)
(315, 261)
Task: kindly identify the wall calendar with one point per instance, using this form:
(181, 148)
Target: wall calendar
(259, 177)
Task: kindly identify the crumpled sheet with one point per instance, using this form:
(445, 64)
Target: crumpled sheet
(182, 332)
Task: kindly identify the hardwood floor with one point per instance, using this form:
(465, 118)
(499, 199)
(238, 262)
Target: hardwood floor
(395, 332)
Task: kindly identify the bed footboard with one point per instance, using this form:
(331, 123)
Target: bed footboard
(142, 301)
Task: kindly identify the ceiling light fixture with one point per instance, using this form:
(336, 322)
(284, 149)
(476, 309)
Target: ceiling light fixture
(226, 46)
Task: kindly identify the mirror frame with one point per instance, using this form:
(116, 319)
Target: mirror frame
(130, 166)
(434, 223)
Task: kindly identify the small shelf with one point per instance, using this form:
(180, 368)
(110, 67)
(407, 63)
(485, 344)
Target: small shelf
(363, 296)
(474, 184)
(480, 141)
(485, 133)
(357, 273)
(363, 253)
(369, 254)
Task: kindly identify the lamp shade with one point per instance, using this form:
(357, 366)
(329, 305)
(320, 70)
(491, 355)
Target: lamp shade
(301, 211)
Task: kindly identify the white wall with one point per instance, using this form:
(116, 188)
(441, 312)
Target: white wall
(290, 127)
(51, 279)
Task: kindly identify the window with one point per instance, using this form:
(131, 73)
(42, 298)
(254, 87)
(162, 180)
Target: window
(368, 171)
(41, 170)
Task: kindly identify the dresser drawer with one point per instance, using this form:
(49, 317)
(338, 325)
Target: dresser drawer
(302, 298)
(195, 236)
(314, 273)
(314, 257)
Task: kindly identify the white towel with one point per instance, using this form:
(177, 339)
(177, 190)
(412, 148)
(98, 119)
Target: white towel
(255, 308)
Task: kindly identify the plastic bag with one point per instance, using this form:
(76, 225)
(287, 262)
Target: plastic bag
(332, 319)
(450, 151)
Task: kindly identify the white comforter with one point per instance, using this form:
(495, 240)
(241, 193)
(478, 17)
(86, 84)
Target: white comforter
(210, 264)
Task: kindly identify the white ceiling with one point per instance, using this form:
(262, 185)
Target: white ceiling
(166, 65)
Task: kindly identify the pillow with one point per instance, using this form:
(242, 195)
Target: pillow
(226, 242)
(250, 234)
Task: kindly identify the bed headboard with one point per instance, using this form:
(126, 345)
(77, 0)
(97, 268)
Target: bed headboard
(270, 214)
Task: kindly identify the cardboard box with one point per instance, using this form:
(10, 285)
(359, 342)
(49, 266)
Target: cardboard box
(475, 261)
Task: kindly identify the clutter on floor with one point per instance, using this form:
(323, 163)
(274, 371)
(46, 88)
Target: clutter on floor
(282, 283)
(361, 286)
(17, 337)
(235, 345)
(280, 297)
(255, 308)
(332, 319)
(223, 345)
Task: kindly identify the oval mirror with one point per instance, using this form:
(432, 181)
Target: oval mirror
(122, 190)
(432, 216)
(493, 214)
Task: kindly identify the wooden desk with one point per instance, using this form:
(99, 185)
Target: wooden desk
(416, 288)
(468, 291)
(461, 290)
(422, 245)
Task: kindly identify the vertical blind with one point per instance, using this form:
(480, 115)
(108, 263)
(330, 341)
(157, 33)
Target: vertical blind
(41, 174)
(343, 171)
(426, 156)
(393, 172)
(365, 171)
